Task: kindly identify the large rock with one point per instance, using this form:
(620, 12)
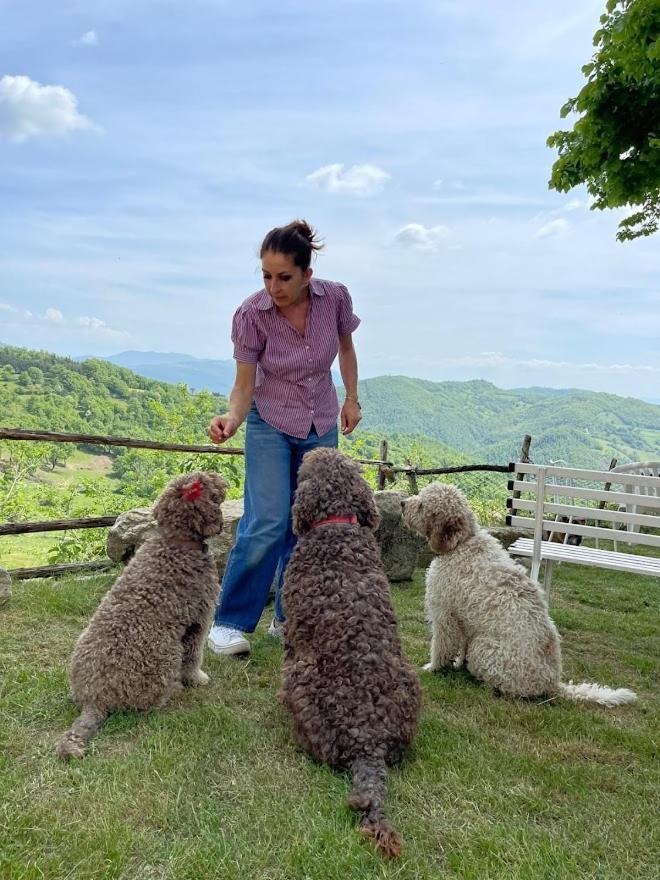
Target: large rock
(399, 547)
(130, 530)
(506, 535)
(5, 586)
(136, 526)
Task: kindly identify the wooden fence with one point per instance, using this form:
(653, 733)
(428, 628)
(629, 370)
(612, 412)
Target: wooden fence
(387, 472)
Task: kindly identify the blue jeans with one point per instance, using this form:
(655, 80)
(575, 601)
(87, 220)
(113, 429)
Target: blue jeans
(264, 538)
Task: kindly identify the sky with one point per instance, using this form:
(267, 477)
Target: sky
(146, 147)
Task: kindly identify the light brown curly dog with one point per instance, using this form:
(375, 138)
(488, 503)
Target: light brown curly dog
(146, 639)
(353, 695)
(484, 608)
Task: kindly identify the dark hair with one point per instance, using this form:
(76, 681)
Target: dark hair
(296, 239)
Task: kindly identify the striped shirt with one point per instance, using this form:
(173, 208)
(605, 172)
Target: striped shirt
(294, 389)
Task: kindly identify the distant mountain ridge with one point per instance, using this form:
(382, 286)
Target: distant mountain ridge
(475, 418)
(196, 373)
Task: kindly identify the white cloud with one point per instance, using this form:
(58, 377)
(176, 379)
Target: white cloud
(94, 323)
(54, 316)
(422, 238)
(89, 38)
(358, 180)
(497, 359)
(91, 327)
(29, 109)
(553, 229)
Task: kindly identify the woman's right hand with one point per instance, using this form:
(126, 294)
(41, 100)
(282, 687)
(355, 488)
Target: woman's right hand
(223, 427)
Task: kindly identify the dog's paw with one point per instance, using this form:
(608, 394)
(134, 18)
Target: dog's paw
(429, 667)
(197, 679)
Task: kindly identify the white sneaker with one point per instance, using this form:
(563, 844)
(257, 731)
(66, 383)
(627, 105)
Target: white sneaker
(225, 640)
(276, 628)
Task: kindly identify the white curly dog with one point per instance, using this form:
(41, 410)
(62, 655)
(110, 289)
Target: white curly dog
(485, 610)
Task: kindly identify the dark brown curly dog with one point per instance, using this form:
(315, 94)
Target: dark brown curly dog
(353, 695)
(146, 638)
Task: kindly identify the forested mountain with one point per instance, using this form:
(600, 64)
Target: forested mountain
(584, 428)
(43, 390)
(196, 373)
(449, 420)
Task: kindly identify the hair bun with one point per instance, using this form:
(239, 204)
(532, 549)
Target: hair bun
(297, 238)
(303, 228)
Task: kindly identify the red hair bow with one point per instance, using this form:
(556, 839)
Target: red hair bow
(192, 491)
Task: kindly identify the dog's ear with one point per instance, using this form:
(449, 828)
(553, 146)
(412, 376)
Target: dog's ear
(305, 506)
(446, 535)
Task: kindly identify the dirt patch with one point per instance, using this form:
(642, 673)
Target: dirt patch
(97, 464)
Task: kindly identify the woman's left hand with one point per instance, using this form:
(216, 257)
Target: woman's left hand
(350, 416)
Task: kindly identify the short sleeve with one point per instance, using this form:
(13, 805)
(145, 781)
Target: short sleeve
(347, 320)
(247, 338)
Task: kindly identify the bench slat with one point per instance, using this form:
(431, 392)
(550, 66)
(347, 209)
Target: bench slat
(588, 556)
(615, 516)
(592, 476)
(627, 498)
(526, 522)
(523, 545)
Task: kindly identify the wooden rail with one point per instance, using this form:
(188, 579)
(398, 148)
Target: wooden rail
(57, 525)
(133, 443)
(44, 571)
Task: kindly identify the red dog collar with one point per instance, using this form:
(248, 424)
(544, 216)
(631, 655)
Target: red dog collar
(349, 518)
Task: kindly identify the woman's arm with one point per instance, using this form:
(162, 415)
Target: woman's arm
(350, 411)
(240, 400)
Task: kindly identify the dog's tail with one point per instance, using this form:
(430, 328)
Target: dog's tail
(587, 692)
(368, 797)
(73, 742)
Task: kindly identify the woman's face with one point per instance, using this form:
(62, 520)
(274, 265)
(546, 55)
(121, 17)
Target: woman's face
(285, 282)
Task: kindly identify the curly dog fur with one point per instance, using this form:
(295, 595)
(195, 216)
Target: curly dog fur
(146, 639)
(354, 697)
(485, 610)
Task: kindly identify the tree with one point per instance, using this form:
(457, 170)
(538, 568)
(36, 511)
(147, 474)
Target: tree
(614, 147)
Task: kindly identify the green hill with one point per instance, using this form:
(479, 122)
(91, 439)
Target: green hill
(42, 390)
(431, 422)
(584, 428)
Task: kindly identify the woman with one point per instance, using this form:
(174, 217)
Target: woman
(286, 337)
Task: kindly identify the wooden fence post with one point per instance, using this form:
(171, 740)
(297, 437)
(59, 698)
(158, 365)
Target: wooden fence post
(381, 468)
(525, 459)
(524, 452)
(412, 478)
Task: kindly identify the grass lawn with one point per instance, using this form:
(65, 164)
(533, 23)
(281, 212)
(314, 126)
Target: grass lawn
(214, 786)
(27, 551)
(79, 464)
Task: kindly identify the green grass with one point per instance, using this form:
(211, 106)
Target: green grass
(213, 786)
(26, 551)
(79, 464)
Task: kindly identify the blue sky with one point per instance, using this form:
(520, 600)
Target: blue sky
(146, 148)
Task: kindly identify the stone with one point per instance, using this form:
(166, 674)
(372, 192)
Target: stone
(5, 586)
(130, 530)
(136, 526)
(506, 535)
(399, 547)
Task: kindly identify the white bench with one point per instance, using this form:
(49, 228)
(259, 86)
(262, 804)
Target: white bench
(649, 468)
(530, 509)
